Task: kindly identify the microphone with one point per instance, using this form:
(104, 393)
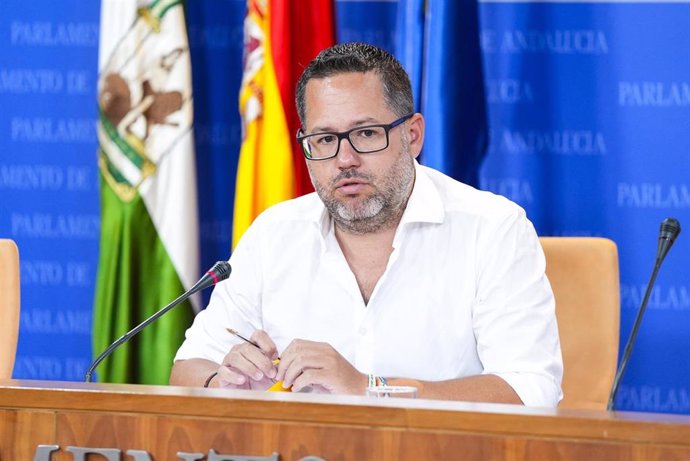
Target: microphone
(219, 272)
(670, 228)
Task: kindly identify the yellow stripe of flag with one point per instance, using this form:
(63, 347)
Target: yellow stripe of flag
(265, 172)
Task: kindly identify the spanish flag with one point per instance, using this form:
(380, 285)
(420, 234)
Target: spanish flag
(280, 38)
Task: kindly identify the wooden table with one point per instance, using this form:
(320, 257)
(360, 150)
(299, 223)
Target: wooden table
(161, 421)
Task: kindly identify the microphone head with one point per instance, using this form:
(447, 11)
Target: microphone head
(222, 270)
(669, 230)
(219, 272)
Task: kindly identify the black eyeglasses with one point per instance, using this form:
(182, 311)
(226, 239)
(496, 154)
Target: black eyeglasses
(363, 139)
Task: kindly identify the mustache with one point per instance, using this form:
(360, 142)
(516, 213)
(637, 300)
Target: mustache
(349, 174)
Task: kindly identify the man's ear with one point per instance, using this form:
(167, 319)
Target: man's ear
(415, 134)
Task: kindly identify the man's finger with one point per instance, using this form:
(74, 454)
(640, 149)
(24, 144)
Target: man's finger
(249, 361)
(228, 377)
(266, 344)
(287, 358)
(307, 380)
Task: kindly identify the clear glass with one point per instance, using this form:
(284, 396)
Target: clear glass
(401, 392)
(363, 139)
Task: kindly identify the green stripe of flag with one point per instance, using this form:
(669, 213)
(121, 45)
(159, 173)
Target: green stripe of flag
(136, 279)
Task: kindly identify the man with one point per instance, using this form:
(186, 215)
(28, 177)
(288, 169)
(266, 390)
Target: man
(390, 270)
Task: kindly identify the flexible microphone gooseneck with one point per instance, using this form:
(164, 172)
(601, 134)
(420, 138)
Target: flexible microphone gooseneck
(219, 272)
(670, 228)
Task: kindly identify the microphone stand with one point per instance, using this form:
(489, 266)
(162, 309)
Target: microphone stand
(220, 271)
(633, 335)
(670, 228)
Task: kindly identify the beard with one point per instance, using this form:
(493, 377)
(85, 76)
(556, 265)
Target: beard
(378, 210)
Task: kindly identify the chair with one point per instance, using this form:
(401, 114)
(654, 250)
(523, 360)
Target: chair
(9, 306)
(583, 272)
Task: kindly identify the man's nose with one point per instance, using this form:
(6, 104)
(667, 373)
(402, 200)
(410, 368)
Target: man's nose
(347, 156)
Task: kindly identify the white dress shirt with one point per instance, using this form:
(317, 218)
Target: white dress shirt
(464, 292)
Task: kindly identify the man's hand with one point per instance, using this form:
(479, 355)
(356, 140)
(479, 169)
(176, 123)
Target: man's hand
(308, 363)
(247, 367)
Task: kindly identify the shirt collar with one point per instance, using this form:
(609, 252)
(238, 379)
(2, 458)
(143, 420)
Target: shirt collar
(424, 204)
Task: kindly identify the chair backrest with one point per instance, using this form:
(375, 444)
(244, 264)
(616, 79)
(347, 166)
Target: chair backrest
(9, 306)
(583, 272)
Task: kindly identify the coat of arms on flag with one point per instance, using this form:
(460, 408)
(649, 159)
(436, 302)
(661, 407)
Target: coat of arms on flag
(145, 103)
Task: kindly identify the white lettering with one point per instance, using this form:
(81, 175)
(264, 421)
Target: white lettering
(565, 142)
(79, 275)
(53, 130)
(515, 189)
(654, 398)
(52, 273)
(51, 321)
(662, 297)
(654, 94)
(555, 42)
(46, 177)
(41, 33)
(79, 82)
(509, 91)
(38, 367)
(47, 273)
(31, 177)
(43, 225)
(31, 81)
(81, 179)
(653, 195)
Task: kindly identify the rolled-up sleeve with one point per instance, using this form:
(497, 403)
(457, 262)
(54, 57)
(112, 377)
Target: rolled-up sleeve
(514, 318)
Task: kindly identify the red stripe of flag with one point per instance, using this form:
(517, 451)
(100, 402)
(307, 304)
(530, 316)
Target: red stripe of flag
(299, 30)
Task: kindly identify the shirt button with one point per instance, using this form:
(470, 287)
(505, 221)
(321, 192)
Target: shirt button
(362, 331)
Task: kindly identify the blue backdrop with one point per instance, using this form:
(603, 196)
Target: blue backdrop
(589, 126)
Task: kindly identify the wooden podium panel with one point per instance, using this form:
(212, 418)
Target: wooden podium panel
(160, 421)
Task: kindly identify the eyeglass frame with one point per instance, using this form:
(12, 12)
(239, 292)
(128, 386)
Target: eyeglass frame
(346, 135)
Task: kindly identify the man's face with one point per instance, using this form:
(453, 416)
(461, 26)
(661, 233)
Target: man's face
(363, 192)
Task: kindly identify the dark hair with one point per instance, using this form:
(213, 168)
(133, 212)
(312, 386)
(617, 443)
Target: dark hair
(360, 57)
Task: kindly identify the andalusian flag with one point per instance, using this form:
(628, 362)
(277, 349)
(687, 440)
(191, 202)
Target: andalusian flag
(149, 229)
(280, 38)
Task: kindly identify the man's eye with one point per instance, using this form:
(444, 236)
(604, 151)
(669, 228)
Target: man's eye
(368, 132)
(325, 139)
